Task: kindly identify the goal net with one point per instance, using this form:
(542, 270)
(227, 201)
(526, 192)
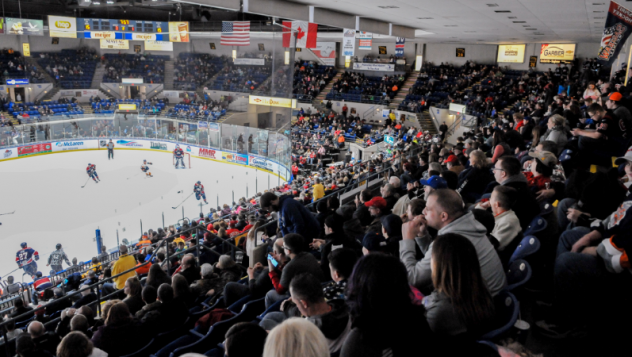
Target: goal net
(186, 159)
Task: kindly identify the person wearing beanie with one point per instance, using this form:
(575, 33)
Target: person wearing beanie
(392, 231)
(373, 242)
(335, 238)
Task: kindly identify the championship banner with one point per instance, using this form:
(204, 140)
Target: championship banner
(616, 32)
(114, 44)
(366, 41)
(178, 32)
(61, 26)
(399, 46)
(348, 42)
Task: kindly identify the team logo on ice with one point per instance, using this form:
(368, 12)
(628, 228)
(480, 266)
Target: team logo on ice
(129, 143)
(7, 153)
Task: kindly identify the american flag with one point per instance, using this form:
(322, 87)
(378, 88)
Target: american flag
(235, 33)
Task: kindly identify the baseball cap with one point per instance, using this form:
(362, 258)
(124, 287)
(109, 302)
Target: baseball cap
(624, 158)
(615, 97)
(547, 158)
(435, 182)
(374, 242)
(378, 202)
(451, 158)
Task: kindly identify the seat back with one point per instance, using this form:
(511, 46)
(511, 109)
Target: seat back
(528, 246)
(518, 274)
(237, 305)
(507, 308)
(538, 224)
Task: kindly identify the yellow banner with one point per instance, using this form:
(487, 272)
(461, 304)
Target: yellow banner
(26, 50)
(127, 106)
(272, 101)
(115, 44)
(557, 52)
(179, 31)
(510, 54)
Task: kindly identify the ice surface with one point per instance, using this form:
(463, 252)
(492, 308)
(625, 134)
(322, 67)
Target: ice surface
(51, 207)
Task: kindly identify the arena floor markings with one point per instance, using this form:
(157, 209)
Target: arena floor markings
(51, 207)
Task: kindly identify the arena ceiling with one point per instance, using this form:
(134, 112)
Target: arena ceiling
(446, 21)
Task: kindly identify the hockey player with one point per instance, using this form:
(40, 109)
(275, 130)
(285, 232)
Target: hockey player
(179, 155)
(199, 191)
(145, 168)
(24, 259)
(91, 170)
(40, 283)
(56, 259)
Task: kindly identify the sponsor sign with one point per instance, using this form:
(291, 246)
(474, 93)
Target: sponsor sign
(249, 61)
(1, 25)
(557, 53)
(74, 145)
(458, 108)
(114, 44)
(261, 163)
(272, 101)
(17, 82)
(208, 153)
(366, 41)
(157, 146)
(170, 94)
(127, 107)
(26, 49)
(348, 42)
(132, 80)
(510, 54)
(178, 32)
(373, 66)
(100, 34)
(213, 126)
(235, 158)
(151, 45)
(326, 51)
(24, 27)
(8, 153)
(141, 36)
(389, 139)
(61, 26)
(130, 143)
(34, 149)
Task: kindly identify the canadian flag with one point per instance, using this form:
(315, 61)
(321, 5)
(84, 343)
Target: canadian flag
(305, 33)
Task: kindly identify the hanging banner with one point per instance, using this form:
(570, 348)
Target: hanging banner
(61, 26)
(348, 42)
(399, 46)
(178, 32)
(24, 27)
(615, 33)
(366, 41)
(158, 46)
(26, 50)
(1, 25)
(141, 36)
(115, 44)
(373, 66)
(326, 51)
(100, 34)
(249, 61)
(510, 54)
(557, 53)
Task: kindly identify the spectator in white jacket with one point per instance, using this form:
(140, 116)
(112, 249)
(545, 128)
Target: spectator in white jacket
(507, 225)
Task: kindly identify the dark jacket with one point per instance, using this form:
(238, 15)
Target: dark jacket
(134, 304)
(390, 203)
(335, 325)
(85, 300)
(472, 183)
(295, 218)
(302, 263)
(335, 241)
(121, 339)
(47, 342)
(191, 274)
(353, 229)
(362, 213)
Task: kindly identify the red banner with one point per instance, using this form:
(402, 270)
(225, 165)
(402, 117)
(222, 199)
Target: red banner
(34, 149)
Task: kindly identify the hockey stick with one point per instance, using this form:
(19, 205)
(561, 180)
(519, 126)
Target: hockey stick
(12, 271)
(84, 185)
(184, 200)
(2, 214)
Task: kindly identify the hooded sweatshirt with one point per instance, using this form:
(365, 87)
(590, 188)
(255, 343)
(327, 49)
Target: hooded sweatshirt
(419, 273)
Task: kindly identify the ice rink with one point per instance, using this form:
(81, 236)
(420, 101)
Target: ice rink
(51, 207)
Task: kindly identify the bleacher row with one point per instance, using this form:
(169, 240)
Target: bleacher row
(152, 63)
(173, 112)
(69, 81)
(192, 85)
(30, 110)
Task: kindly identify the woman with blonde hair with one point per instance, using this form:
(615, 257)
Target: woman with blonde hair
(296, 337)
(474, 180)
(76, 344)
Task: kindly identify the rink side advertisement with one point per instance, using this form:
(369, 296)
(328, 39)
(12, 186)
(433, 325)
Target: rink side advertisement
(207, 153)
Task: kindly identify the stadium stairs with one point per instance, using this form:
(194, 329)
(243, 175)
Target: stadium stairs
(51, 93)
(427, 125)
(32, 62)
(200, 88)
(169, 70)
(403, 91)
(97, 78)
(323, 94)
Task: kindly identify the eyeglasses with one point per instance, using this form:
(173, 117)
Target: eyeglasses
(284, 247)
(496, 169)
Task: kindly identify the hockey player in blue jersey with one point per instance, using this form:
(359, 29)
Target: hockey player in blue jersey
(145, 168)
(25, 258)
(199, 191)
(91, 170)
(178, 153)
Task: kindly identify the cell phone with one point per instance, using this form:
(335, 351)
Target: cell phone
(273, 261)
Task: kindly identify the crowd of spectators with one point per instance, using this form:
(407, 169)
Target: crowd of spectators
(357, 87)
(70, 68)
(310, 78)
(194, 69)
(151, 68)
(241, 78)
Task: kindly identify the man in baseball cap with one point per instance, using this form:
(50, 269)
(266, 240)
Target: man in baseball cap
(377, 209)
(433, 183)
(614, 103)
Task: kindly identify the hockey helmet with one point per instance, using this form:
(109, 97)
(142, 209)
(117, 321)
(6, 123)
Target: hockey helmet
(23, 245)
(177, 146)
(58, 246)
(199, 182)
(89, 164)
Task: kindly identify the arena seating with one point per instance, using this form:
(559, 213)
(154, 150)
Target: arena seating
(193, 69)
(240, 78)
(60, 66)
(149, 67)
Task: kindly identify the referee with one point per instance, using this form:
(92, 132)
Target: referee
(110, 149)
